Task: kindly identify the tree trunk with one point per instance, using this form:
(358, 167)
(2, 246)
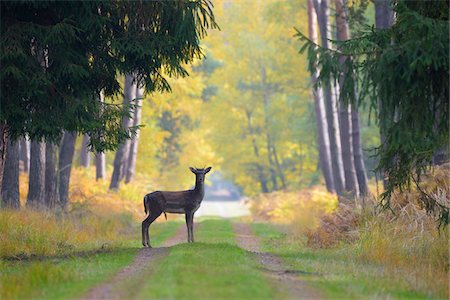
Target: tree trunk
(24, 154)
(261, 177)
(65, 166)
(3, 143)
(10, 182)
(85, 155)
(100, 158)
(132, 155)
(100, 166)
(36, 184)
(269, 142)
(279, 168)
(351, 181)
(322, 12)
(358, 155)
(384, 17)
(319, 105)
(51, 175)
(122, 152)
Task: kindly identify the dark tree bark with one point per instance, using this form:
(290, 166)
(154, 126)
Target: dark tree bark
(36, 184)
(319, 105)
(384, 18)
(85, 155)
(345, 120)
(65, 166)
(121, 157)
(24, 154)
(10, 182)
(3, 143)
(358, 155)
(322, 12)
(132, 154)
(51, 175)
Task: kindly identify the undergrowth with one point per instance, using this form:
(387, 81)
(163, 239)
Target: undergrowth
(95, 218)
(405, 242)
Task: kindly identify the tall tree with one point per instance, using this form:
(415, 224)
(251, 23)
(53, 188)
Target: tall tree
(10, 183)
(322, 11)
(36, 183)
(51, 175)
(85, 155)
(345, 108)
(132, 153)
(121, 157)
(320, 113)
(66, 152)
(399, 70)
(161, 35)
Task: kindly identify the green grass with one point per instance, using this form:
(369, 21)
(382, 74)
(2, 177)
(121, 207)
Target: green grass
(73, 275)
(335, 272)
(212, 268)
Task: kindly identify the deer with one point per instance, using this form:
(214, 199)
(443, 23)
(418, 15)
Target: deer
(181, 202)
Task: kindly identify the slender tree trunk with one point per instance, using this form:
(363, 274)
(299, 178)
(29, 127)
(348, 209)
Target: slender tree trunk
(100, 158)
(269, 142)
(384, 18)
(65, 166)
(36, 184)
(3, 143)
(85, 155)
(132, 156)
(322, 12)
(24, 154)
(100, 166)
(358, 154)
(10, 182)
(122, 152)
(351, 181)
(262, 179)
(319, 105)
(279, 168)
(51, 175)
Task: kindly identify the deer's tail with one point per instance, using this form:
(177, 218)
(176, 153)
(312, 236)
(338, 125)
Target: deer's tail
(165, 215)
(145, 205)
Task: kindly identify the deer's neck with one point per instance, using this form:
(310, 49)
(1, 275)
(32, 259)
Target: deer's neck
(199, 189)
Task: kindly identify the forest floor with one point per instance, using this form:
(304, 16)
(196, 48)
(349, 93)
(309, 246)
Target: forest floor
(229, 260)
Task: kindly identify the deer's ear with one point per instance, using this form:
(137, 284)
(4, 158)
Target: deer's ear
(192, 170)
(207, 169)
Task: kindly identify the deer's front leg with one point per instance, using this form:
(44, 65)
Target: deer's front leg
(188, 216)
(192, 227)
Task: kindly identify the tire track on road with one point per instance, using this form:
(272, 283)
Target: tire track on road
(286, 281)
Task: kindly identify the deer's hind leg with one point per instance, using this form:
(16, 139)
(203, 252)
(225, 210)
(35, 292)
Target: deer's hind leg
(154, 213)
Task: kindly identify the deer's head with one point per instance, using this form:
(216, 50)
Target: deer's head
(200, 174)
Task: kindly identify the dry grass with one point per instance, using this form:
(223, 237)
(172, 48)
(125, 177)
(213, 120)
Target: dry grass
(405, 242)
(302, 210)
(96, 217)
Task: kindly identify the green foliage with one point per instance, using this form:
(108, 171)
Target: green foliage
(57, 56)
(401, 72)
